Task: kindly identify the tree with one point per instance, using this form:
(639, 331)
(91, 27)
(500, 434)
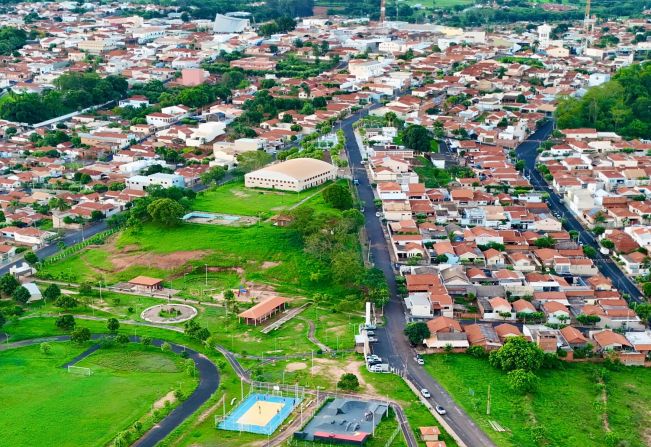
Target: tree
(338, 196)
(113, 325)
(348, 382)
(643, 310)
(65, 322)
(146, 340)
(589, 251)
(607, 243)
(545, 242)
(85, 288)
(166, 347)
(588, 320)
(80, 335)
(3, 319)
(346, 267)
(52, 292)
(417, 332)
(21, 294)
(8, 283)
(166, 212)
(517, 353)
(522, 381)
(66, 302)
(598, 230)
(418, 138)
(213, 175)
(45, 348)
(30, 257)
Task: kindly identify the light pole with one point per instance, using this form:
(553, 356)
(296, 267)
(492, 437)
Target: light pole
(206, 275)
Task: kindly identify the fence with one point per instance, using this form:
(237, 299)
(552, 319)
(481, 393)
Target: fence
(95, 239)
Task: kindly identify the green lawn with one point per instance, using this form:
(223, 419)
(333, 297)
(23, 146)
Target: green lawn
(235, 198)
(561, 412)
(49, 406)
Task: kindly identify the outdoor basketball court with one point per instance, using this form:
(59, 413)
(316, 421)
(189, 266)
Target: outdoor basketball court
(260, 413)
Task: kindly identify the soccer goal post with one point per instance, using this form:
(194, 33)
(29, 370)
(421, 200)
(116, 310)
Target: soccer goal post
(80, 370)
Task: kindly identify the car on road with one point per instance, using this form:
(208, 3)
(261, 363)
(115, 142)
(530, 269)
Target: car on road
(355, 181)
(378, 214)
(425, 393)
(372, 340)
(440, 410)
(419, 360)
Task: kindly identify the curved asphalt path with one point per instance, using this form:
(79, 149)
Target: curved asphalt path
(208, 384)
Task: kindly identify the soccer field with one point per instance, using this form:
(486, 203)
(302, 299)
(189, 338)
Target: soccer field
(43, 404)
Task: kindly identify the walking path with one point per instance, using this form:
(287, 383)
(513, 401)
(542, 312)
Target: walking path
(311, 335)
(208, 384)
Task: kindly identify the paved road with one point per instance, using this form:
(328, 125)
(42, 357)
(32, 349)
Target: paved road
(69, 239)
(392, 344)
(208, 384)
(527, 151)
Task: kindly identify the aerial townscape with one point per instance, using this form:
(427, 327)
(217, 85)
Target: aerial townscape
(310, 223)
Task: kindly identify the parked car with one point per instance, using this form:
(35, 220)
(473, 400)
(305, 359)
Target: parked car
(372, 340)
(380, 368)
(440, 410)
(419, 360)
(425, 393)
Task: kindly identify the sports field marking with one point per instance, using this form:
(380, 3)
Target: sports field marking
(261, 413)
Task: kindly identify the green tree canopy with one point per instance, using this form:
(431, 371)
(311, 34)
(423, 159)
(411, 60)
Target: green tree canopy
(417, 332)
(348, 382)
(417, 138)
(517, 353)
(338, 196)
(622, 105)
(166, 212)
(21, 294)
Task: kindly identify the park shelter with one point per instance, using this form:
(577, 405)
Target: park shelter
(146, 284)
(264, 310)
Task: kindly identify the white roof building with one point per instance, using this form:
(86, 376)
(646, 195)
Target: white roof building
(292, 175)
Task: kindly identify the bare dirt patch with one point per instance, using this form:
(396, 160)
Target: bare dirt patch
(269, 264)
(162, 261)
(296, 366)
(160, 403)
(334, 369)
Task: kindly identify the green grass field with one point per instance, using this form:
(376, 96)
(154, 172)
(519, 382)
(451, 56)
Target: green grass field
(45, 405)
(561, 412)
(234, 198)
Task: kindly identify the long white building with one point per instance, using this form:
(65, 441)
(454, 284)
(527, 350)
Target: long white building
(291, 175)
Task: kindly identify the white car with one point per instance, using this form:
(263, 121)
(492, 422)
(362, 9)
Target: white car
(440, 410)
(419, 360)
(425, 393)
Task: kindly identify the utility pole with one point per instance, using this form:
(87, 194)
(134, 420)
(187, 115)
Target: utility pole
(206, 275)
(488, 401)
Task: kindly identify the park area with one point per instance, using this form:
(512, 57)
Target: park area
(203, 260)
(569, 406)
(234, 198)
(44, 404)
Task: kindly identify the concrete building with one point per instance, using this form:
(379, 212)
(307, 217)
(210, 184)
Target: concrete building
(291, 175)
(193, 76)
(141, 182)
(227, 25)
